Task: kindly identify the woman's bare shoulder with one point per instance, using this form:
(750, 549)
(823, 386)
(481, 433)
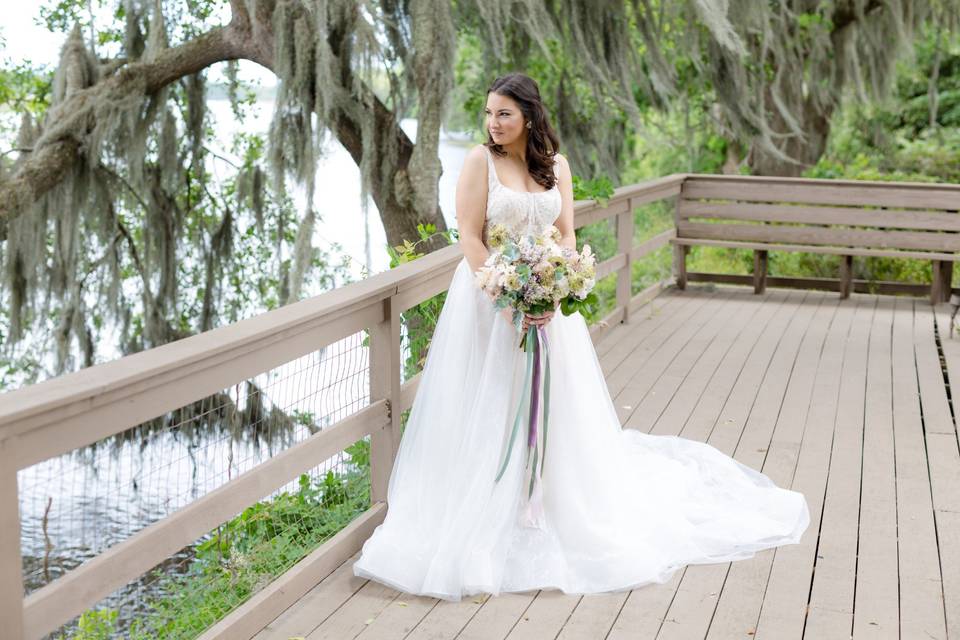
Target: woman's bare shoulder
(477, 153)
(474, 163)
(560, 162)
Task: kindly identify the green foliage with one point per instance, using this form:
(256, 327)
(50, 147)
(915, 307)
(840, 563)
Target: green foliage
(245, 554)
(556, 74)
(359, 453)
(470, 78)
(600, 237)
(421, 319)
(407, 252)
(599, 189)
(652, 268)
(184, 19)
(896, 141)
(682, 140)
(648, 221)
(25, 87)
(97, 624)
(59, 16)
(587, 307)
(606, 292)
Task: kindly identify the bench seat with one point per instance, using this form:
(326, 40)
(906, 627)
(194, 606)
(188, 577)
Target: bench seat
(845, 218)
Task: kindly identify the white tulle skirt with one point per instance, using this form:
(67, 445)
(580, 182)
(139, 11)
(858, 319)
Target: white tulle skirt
(622, 508)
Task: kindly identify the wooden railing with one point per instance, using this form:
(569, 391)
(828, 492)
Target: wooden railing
(63, 414)
(66, 413)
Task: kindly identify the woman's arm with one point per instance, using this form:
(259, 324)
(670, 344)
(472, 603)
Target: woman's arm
(565, 221)
(471, 205)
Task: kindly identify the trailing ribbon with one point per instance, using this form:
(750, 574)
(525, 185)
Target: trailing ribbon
(532, 514)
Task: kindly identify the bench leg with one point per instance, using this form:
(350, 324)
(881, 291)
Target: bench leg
(680, 264)
(940, 283)
(935, 281)
(759, 270)
(946, 271)
(846, 276)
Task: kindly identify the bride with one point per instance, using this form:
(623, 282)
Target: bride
(620, 508)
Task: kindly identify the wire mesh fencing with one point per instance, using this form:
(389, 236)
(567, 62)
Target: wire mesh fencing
(76, 506)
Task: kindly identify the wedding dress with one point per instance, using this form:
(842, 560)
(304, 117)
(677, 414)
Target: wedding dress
(623, 508)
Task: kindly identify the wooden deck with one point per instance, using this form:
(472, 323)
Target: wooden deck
(843, 400)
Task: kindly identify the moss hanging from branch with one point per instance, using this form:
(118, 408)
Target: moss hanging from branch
(782, 78)
(111, 170)
(122, 124)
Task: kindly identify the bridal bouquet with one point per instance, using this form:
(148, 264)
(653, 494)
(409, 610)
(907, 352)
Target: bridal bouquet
(533, 274)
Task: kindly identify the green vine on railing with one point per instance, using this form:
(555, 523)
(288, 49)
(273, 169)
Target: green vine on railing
(244, 555)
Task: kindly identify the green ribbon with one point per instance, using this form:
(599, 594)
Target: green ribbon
(523, 401)
(533, 474)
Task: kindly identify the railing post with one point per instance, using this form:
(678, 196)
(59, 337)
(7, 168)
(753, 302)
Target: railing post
(679, 250)
(624, 246)
(385, 383)
(680, 265)
(11, 564)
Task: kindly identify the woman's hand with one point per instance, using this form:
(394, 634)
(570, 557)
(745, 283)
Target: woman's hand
(529, 319)
(543, 319)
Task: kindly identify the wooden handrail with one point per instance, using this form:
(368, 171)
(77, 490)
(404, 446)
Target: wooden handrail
(65, 413)
(125, 561)
(56, 402)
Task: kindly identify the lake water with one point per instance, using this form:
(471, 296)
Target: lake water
(337, 196)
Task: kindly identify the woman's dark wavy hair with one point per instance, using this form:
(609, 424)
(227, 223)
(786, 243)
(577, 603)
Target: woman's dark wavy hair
(542, 140)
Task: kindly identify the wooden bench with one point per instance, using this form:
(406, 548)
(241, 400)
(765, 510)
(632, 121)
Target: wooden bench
(840, 217)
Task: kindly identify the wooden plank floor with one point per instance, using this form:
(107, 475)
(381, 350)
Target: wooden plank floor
(846, 401)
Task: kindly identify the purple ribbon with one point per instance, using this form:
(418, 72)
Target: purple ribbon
(535, 395)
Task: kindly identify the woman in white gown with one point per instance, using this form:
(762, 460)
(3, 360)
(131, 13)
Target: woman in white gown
(622, 508)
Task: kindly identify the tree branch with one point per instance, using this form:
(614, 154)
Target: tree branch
(844, 15)
(240, 15)
(73, 119)
(17, 150)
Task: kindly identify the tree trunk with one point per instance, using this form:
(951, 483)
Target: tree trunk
(807, 150)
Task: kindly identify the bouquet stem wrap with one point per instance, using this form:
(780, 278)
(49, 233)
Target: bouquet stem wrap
(536, 346)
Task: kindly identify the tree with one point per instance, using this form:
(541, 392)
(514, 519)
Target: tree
(780, 69)
(110, 179)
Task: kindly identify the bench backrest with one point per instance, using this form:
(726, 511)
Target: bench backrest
(848, 213)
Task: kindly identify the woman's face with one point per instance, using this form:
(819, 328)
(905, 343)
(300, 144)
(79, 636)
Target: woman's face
(504, 119)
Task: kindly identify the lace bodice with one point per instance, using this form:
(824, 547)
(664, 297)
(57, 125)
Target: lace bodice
(520, 211)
